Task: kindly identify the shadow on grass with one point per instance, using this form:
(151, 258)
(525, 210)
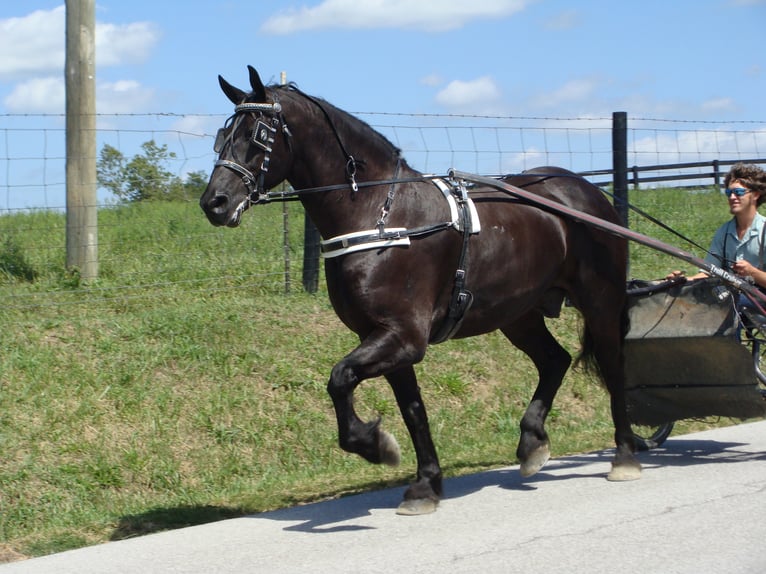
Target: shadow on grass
(160, 519)
(172, 518)
(342, 505)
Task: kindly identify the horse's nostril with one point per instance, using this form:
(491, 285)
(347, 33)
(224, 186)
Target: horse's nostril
(217, 202)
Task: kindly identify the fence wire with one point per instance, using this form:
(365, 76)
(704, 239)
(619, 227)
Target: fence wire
(178, 249)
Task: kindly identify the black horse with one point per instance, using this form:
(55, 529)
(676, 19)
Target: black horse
(412, 260)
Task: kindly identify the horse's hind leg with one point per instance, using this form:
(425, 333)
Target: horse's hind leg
(603, 341)
(532, 337)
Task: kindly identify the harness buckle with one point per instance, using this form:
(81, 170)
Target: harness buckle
(351, 173)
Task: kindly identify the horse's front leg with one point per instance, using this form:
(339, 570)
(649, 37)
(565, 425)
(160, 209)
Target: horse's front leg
(423, 495)
(364, 438)
(385, 353)
(379, 353)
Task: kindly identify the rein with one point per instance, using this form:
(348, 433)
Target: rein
(297, 193)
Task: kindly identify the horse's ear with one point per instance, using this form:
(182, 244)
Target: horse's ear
(255, 82)
(236, 95)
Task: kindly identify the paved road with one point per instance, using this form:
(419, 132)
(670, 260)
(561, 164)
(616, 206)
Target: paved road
(700, 507)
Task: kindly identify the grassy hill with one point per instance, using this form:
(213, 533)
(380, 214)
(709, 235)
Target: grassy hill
(185, 386)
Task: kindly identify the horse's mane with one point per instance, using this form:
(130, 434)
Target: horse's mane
(345, 122)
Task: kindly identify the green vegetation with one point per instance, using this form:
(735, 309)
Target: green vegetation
(145, 177)
(185, 386)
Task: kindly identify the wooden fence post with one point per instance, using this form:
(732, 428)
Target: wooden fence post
(717, 174)
(81, 207)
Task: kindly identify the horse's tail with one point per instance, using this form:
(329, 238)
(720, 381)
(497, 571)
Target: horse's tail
(586, 359)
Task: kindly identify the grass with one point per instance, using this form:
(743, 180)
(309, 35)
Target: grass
(185, 386)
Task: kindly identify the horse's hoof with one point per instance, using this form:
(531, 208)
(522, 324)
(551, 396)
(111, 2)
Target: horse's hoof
(417, 506)
(624, 472)
(535, 461)
(388, 449)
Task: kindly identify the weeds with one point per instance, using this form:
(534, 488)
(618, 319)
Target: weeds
(13, 263)
(184, 387)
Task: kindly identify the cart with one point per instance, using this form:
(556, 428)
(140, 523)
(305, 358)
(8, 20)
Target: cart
(691, 352)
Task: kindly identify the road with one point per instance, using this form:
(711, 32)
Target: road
(699, 507)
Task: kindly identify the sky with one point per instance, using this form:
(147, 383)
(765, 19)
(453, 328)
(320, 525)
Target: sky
(700, 61)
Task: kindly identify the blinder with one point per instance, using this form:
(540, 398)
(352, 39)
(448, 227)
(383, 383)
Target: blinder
(263, 135)
(220, 139)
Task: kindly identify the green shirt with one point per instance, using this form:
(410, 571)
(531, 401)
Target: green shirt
(726, 247)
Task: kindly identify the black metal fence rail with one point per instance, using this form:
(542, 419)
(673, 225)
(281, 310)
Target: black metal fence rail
(711, 173)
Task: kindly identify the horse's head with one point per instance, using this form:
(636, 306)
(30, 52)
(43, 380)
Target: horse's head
(253, 155)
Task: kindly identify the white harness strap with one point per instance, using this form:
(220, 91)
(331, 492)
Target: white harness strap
(400, 236)
(362, 240)
(453, 210)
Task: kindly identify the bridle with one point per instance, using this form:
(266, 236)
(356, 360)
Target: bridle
(263, 137)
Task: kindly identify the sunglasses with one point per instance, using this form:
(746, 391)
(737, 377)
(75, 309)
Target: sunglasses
(738, 191)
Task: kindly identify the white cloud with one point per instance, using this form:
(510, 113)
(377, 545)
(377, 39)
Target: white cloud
(44, 95)
(527, 159)
(123, 97)
(34, 45)
(126, 44)
(47, 95)
(428, 15)
(573, 91)
(478, 93)
(198, 126)
(564, 20)
(33, 53)
(719, 105)
(431, 80)
(698, 144)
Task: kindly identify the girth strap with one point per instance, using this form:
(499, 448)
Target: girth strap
(461, 299)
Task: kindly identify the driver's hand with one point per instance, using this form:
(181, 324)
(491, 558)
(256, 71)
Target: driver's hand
(674, 275)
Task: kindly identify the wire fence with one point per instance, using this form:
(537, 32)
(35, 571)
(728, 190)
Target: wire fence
(269, 257)
(32, 147)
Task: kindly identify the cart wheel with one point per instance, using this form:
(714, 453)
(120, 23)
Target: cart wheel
(648, 437)
(755, 338)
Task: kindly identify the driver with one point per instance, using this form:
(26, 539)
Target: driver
(738, 245)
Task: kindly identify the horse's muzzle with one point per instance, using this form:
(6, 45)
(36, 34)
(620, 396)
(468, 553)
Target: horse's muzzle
(219, 210)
